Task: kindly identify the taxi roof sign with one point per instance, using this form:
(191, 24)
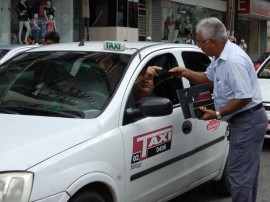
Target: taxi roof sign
(114, 45)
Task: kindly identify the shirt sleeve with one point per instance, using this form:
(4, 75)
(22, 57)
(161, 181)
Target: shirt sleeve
(238, 76)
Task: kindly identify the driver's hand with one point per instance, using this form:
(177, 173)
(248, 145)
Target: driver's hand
(151, 72)
(148, 73)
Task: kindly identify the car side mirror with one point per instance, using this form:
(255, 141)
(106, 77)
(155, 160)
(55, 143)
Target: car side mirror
(156, 106)
(149, 107)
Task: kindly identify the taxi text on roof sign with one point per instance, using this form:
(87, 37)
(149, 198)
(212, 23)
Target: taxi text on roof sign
(112, 45)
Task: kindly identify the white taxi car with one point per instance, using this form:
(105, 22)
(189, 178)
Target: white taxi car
(263, 74)
(70, 130)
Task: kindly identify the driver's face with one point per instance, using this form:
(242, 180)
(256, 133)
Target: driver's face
(145, 86)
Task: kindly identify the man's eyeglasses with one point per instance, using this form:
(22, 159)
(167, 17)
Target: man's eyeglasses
(203, 42)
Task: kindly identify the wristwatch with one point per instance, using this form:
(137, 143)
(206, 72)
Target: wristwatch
(219, 117)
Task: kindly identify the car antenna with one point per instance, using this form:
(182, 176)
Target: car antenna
(82, 41)
(138, 51)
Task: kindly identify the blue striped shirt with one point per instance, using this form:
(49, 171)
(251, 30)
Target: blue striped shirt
(234, 77)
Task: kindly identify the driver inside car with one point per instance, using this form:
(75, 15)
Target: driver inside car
(145, 83)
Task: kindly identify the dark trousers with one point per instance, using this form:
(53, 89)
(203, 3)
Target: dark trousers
(246, 140)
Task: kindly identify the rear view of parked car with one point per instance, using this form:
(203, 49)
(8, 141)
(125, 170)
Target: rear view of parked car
(71, 131)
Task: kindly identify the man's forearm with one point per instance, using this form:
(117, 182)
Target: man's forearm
(197, 77)
(234, 105)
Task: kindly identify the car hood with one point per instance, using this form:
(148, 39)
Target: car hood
(28, 140)
(265, 86)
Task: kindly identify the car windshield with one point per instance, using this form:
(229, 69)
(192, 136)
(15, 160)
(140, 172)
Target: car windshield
(63, 84)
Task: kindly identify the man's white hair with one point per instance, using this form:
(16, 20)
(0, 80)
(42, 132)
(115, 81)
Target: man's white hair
(212, 28)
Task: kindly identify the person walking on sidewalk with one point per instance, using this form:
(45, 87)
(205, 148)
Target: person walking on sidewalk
(243, 45)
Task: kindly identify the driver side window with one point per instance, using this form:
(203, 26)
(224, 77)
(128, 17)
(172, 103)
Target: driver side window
(165, 84)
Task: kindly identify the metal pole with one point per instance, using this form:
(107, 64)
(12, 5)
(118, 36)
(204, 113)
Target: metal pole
(232, 17)
(86, 16)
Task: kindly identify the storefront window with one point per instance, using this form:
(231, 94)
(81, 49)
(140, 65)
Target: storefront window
(179, 20)
(41, 16)
(133, 13)
(122, 13)
(102, 13)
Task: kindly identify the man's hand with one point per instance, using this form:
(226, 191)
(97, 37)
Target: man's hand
(208, 114)
(193, 76)
(178, 72)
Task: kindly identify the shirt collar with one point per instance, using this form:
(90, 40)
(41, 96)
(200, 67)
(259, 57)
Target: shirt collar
(226, 50)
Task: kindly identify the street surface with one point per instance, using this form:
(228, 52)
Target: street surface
(205, 192)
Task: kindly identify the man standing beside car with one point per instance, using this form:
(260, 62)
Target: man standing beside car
(237, 100)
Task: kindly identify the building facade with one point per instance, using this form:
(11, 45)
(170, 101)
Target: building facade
(251, 17)
(134, 20)
(67, 22)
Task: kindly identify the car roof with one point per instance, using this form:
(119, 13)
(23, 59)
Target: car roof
(13, 49)
(11, 46)
(98, 46)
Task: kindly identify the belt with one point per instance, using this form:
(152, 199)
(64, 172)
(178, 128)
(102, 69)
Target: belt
(247, 111)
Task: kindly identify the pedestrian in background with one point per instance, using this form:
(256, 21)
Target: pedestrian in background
(148, 38)
(51, 38)
(232, 39)
(237, 100)
(31, 40)
(243, 45)
(189, 39)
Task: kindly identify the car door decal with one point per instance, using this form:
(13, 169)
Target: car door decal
(213, 124)
(173, 160)
(150, 144)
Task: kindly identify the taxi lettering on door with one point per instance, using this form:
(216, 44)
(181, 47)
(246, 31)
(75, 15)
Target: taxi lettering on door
(150, 144)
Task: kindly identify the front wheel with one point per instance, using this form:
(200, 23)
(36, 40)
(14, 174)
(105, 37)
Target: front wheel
(87, 196)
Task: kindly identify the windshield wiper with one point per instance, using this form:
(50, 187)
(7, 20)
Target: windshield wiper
(38, 111)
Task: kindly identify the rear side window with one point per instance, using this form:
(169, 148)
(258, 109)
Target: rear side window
(196, 61)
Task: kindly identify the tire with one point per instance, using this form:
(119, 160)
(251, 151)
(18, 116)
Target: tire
(87, 196)
(223, 186)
